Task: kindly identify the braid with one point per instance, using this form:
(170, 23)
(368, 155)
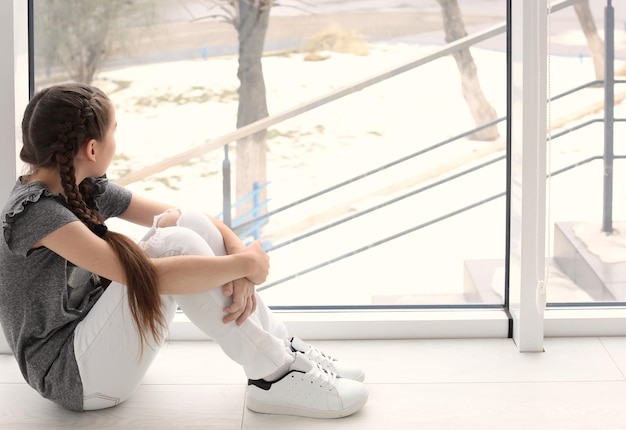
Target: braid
(73, 194)
(68, 141)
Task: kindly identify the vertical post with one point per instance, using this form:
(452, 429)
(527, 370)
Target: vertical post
(256, 190)
(226, 188)
(14, 72)
(14, 86)
(528, 131)
(609, 116)
(31, 48)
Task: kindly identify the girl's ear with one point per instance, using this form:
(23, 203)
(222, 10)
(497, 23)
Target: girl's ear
(88, 151)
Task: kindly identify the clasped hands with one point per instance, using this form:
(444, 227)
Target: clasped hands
(242, 290)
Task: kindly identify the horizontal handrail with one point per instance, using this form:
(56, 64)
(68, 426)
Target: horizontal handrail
(575, 89)
(583, 161)
(584, 124)
(378, 169)
(425, 150)
(266, 122)
(426, 188)
(583, 86)
(389, 202)
(384, 240)
(433, 221)
(577, 127)
(418, 227)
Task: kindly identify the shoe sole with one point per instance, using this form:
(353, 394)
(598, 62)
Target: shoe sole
(271, 408)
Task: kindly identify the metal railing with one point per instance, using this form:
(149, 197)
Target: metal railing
(453, 177)
(463, 43)
(269, 121)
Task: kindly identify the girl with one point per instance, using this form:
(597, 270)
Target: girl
(85, 309)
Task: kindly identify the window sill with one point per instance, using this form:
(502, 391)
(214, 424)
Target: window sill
(339, 325)
(585, 322)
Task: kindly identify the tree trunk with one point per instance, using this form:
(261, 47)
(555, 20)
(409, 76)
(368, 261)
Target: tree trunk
(594, 41)
(251, 151)
(481, 110)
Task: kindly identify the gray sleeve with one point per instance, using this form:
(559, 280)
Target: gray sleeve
(114, 201)
(35, 222)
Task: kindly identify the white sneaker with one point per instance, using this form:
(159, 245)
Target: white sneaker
(307, 390)
(326, 361)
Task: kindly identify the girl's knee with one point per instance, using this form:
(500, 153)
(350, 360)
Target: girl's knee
(202, 225)
(172, 241)
(176, 226)
(168, 218)
(190, 219)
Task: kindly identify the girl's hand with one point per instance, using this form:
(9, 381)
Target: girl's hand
(242, 290)
(260, 263)
(244, 300)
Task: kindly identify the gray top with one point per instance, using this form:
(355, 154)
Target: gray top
(43, 297)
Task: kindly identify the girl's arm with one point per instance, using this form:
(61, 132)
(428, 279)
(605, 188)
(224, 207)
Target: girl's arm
(142, 211)
(241, 289)
(177, 275)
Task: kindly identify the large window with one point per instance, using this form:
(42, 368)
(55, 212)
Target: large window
(380, 180)
(428, 228)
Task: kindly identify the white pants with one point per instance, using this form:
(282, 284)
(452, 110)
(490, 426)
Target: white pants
(106, 342)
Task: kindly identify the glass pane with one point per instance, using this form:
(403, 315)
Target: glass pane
(428, 228)
(585, 216)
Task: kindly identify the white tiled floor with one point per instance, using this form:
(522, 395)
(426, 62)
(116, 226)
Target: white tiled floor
(577, 383)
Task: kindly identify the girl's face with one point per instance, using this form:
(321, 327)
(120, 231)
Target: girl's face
(106, 147)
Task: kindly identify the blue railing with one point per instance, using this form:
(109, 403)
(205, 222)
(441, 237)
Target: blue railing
(249, 224)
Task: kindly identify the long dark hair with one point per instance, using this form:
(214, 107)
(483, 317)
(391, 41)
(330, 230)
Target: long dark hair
(57, 122)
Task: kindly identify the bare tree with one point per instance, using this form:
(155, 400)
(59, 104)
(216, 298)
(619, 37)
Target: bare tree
(481, 110)
(250, 18)
(594, 41)
(251, 151)
(75, 36)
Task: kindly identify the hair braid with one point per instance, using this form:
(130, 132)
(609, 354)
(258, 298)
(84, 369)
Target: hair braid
(73, 194)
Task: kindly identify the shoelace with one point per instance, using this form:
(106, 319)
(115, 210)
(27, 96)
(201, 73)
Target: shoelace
(318, 356)
(319, 375)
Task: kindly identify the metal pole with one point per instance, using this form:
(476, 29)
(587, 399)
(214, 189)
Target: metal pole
(226, 187)
(609, 117)
(31, 49)
(256, 189)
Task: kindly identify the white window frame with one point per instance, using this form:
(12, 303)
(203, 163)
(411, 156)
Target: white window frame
(14, 94)
(529, 323)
